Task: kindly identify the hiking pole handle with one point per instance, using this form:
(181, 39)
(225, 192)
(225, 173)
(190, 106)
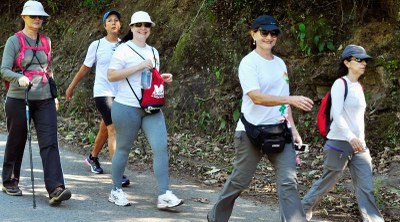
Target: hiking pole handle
(28, 87)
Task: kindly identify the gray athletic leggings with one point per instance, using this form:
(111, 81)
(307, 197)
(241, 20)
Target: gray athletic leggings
(128, 121)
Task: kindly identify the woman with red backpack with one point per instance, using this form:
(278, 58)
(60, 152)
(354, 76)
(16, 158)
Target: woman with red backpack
(345, 145)
(131, 64)
(31, 69)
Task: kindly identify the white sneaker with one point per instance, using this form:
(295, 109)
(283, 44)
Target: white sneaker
(119, 198)
(309, 216)
(168, 200)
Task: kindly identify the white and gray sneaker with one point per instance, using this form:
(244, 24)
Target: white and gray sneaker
(119, 198)
(168, 200)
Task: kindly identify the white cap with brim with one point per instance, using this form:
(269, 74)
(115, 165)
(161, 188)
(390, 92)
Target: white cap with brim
(33, 8)
(141, 16)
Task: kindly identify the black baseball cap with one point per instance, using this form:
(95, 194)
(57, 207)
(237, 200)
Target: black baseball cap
(266, 22)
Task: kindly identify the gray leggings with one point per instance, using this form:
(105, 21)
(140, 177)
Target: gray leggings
(128, 121)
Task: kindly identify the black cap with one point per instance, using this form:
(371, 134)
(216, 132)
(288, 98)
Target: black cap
(266, 22)
(354, 51)
(111, 12)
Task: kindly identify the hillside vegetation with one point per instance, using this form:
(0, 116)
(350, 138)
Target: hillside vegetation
(202, 42)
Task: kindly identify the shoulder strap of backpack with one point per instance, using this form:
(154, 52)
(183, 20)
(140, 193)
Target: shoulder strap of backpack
(136, 52)
(22, 48)
(127, 77)
(154, 56)
(329, 102)
(152, 49)
(95, 53)
(133, 90)
(143, 59)
(345, 87)
(46, 48)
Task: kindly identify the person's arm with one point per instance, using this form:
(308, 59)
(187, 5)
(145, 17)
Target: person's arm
(337, 110)
(78, 77)
(120, 74)
(301, 102)
(10, 53)
(295, 133)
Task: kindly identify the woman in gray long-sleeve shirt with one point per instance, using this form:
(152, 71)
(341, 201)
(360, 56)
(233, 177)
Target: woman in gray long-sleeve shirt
(26, 62)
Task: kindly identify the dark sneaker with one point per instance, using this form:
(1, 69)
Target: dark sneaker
(93, 163)
(12, 190)
(58, 195)
(125, 181)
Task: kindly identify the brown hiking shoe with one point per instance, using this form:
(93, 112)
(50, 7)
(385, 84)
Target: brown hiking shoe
(58, 195)
(12, 190)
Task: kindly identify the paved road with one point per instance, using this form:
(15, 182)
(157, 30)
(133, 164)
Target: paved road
(90, 193)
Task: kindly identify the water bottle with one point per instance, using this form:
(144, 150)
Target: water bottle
(146, 78)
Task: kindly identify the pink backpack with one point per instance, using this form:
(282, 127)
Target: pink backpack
(22, 48)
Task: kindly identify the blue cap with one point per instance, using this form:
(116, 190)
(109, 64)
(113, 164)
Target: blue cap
(266, 22)
(111, 12)
(354, 51)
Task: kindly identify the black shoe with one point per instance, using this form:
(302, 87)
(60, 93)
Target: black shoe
(12, 190)
(125, 181)
(58, 195)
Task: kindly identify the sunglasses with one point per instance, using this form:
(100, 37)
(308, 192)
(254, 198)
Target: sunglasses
(37, 16)
(359, 60)
(265, 33)
(140, 24)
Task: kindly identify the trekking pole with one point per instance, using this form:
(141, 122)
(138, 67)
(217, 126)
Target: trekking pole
(30, 141)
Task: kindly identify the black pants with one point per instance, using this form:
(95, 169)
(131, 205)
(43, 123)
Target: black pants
(44, 116)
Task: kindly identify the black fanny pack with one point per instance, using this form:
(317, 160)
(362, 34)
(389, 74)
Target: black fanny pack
(269, 138)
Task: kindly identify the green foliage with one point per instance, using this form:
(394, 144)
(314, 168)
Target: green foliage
(205, 118)
(91, 136)
(315, 36)
(391, 66)
(222, 125)
(236, 115)
(302, 39)
(96, 5)
(380, 200)
(218, 75)
(53, 5)
(179, 49)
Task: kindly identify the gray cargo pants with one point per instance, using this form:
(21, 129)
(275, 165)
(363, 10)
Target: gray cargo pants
(247, 158)
(338, 155)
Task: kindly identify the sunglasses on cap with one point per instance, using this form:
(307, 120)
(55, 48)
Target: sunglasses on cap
(140, 24)
(265, 33)
(37, 16)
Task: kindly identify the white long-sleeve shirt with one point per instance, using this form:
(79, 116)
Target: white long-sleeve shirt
(348, 115)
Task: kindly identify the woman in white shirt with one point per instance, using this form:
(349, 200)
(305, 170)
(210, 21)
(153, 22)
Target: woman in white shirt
(130, 59)
(99, 53)
(346, 145)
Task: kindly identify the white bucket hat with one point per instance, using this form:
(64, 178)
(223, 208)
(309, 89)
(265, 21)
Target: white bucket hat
(141, 16)
(33, 8)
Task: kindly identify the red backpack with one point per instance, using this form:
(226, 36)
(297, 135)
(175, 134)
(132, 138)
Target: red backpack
(323, 117)
(22, 48)
(152, 98)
